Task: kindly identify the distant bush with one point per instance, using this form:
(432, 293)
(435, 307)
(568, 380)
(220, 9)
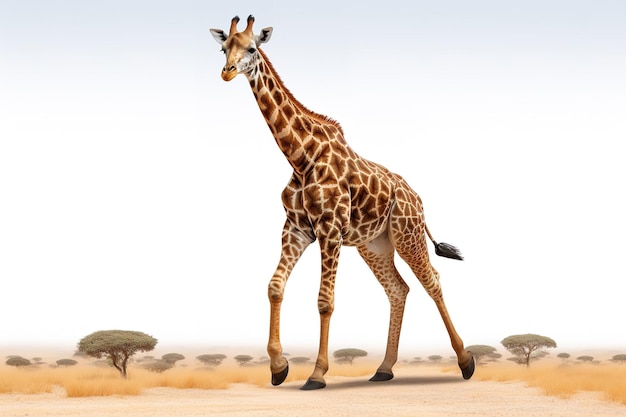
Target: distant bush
(417, 360)
(172, 358)
(211, 359)
(435, 358)
(17, 361)
(66, 362)
(158, 365)
(621, 358)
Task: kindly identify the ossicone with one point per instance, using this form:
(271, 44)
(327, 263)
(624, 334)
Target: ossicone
(233, 25)
(249, 27)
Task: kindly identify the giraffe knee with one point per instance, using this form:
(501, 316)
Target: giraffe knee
(402, 289)
(433, 288)
(274, 294)
(325, 307)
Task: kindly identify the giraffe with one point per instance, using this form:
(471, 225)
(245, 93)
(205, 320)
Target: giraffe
(339, 199)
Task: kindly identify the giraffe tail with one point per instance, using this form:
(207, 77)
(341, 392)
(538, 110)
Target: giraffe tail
(445, 249)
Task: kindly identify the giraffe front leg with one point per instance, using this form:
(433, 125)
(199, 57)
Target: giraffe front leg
(293, 246)
(278, 364)
(325, 305)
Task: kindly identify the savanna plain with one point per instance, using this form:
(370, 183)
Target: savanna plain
(550, 387)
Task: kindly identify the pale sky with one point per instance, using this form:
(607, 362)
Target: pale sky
(139, 191)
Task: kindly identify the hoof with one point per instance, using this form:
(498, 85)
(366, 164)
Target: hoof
(279, 378)
(311, 385)
(468, 371)
(382, 376)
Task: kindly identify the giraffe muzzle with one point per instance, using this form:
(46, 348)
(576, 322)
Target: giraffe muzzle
(228, 73)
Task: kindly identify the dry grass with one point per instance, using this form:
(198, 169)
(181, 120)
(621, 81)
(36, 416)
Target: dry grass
(563, 380)
(88, 381)
(24, 380)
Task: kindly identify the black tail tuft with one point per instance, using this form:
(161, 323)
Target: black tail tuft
(447, 251)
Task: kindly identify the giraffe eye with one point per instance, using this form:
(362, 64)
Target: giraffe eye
(251, 50)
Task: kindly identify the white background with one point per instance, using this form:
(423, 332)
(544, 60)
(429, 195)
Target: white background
(139, 191)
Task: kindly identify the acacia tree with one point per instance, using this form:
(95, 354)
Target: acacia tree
(348, 355)
(117, 346)
(435, 358)
(621, 358)
(16, 360)
(527, 346)
(480, 352)
(585, 358)
(172, 358)
(211, 359)
(563, 356)
(243, 359)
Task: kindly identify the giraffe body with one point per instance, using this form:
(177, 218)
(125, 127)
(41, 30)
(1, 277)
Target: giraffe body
(339, 199)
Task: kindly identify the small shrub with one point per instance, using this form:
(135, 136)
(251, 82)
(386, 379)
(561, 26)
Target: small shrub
(158, 365)
(435, 358)
(66, 362)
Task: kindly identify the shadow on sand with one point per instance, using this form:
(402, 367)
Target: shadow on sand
(397, 381)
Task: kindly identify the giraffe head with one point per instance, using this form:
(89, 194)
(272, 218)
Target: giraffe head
(240, 48)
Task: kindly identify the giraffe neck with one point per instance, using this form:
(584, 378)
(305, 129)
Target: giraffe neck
(302, 135)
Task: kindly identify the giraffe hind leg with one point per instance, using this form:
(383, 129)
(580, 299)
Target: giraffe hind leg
(379, 254)
(412, 249)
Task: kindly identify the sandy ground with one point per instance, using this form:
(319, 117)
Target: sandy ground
(431, 393)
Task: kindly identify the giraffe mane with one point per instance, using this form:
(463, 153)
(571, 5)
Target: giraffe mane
(300, 106)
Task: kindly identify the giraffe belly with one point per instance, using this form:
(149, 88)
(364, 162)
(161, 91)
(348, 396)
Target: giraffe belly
(367, 223)
(359, 235)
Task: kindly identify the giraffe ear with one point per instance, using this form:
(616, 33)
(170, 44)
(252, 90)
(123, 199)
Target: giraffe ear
(219, 35)
(264, 36)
